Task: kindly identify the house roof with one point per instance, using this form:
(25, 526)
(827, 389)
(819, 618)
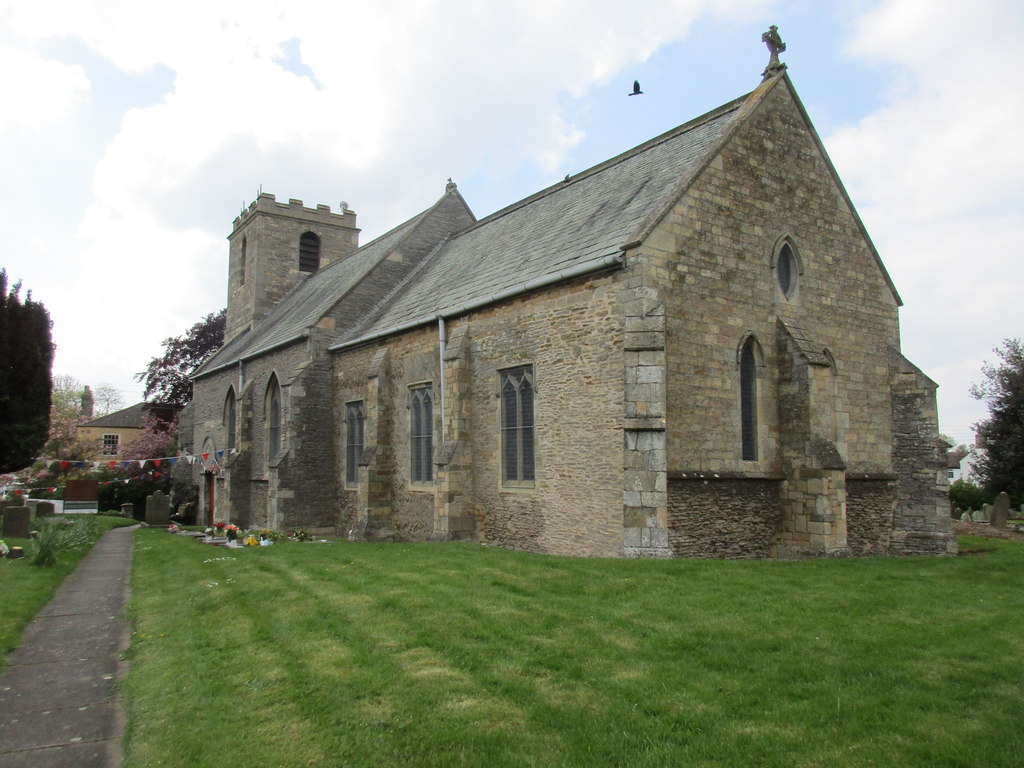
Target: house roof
(127, 418)
(134, 416)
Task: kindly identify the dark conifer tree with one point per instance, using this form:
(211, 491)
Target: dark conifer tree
(26, 357)
(1002, 464)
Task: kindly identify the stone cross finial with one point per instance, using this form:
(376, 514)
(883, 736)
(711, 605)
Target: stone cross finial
(775, 47)
(451, 186)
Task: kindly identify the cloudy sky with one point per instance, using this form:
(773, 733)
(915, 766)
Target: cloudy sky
(133, 132)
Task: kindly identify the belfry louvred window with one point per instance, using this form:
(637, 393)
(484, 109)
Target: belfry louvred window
(309, 252)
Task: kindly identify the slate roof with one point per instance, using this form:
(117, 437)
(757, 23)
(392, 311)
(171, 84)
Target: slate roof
(303, 307)
(582, 223)
(134, 416)
(589, 218)
(127, 418)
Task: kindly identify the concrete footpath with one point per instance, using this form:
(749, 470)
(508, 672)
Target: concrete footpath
(58, 697)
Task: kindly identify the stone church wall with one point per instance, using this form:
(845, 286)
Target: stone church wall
(730, 518)
(295, 489)
(715, 255)
(572, 336)
(869, 514)
(716, 250)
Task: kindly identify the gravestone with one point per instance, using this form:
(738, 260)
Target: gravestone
(45, 509)
(984, 514)
(15, 525)
(1000, 510)
(158, 509)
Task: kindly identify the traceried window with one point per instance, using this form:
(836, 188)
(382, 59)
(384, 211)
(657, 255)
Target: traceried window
(309, 252)
(353, 440)
(110, 444)
(421, 433)
(517, 439)
(786, 270)
(230, 419)
(748, 401)
(273, 418)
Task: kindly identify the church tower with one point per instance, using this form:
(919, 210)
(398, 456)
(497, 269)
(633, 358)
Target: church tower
(275, 245)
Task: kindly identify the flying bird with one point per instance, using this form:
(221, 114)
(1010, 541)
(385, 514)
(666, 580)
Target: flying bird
(636, 88)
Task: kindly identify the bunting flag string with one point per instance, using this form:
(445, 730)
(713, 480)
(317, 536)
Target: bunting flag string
(209, 461)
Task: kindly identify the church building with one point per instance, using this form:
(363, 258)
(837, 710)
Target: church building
(689, 350)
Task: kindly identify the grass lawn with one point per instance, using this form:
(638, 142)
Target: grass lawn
(458, 655)
(26, 588)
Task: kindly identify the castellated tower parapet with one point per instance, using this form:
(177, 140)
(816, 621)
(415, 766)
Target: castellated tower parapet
(273, 246)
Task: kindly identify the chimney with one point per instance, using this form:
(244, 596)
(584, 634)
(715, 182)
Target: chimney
(87, 404)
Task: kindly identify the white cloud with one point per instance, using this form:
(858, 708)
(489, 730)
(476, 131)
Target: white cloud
(50, 94)
(938, 176)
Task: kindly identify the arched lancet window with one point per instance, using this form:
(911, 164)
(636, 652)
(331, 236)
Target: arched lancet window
(273, 417)
(309, 252)
(230, 420)
(748, 400)
(421, 434)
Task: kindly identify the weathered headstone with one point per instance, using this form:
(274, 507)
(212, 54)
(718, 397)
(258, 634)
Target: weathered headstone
(1000, 511)
(984, 514)
(45, 509)
(158, 509)
(15, 525)
(128, 509)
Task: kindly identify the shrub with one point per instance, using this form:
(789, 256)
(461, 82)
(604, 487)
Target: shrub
(968, 496)
(54, 536)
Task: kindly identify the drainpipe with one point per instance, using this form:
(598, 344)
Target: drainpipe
(442, 341)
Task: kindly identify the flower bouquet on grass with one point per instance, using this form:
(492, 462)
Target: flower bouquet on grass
(231, 531)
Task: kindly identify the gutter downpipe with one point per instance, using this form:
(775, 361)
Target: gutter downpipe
(566, 274)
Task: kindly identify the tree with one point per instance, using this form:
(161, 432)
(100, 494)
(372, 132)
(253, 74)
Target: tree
(65, 416)
(26, 354)
(167, 377)
(1001, 465)
(157, 439)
